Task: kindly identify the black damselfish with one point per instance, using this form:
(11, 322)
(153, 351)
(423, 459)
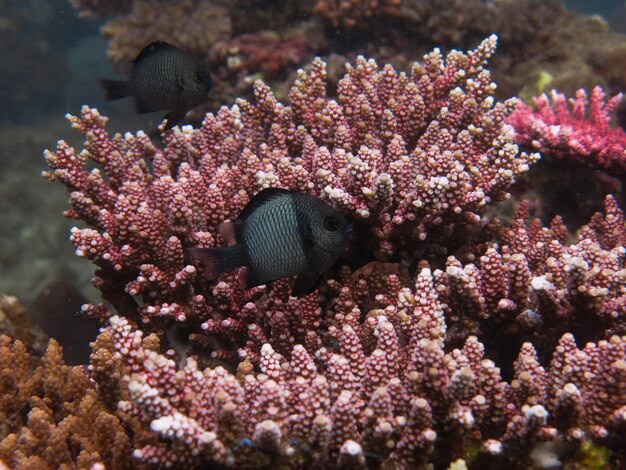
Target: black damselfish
(279, 233)
(163, 78)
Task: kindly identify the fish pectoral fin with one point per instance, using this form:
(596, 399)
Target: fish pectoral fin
(248, 278)
(306, 283)
(229, 231)
(174, 117)
(211, 260)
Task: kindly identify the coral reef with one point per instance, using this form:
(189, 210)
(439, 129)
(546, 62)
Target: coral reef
(443, 338)
(580, 132)
(388, 394)
(409, 158)
(52, 415)
(547, 40)
(454, 343)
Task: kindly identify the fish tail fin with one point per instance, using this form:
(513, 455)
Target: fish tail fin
(214, 261)
(115, 89)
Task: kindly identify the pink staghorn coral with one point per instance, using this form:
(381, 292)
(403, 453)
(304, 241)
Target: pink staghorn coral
(407, 157)
(529, 285)
(581, 131)
(386, 394)
(363, 372)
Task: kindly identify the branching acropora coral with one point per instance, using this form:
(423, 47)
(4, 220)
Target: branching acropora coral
(390, 395)
(578, 129)
(52, 415)
(406, 157)
(361, 372)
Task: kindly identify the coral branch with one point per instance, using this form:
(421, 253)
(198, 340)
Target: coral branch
(580, 132)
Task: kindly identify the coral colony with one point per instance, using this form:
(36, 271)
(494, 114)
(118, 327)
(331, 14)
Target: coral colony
(456, 340)
(241, 40)
(580, 132)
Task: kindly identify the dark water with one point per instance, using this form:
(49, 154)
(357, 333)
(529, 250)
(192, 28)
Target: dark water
(51, 62)
(606, 8)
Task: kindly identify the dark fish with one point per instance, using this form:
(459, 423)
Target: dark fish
(279, 233)
(163, 77)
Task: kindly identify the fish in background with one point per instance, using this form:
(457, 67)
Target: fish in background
(280, 233)
(163, 77)
(57, 311)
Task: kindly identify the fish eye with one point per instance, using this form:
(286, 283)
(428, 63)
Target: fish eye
(331, 223)
(198, 77)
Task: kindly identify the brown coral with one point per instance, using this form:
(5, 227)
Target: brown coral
(192, 25)
(354, 13)
(52, 416)
(14, 323)
(545, 39)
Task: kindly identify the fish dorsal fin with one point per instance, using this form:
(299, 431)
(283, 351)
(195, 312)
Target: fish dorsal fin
(229, 231)
(261, 198)
(153, 48)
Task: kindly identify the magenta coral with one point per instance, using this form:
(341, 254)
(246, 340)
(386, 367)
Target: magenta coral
(406, 157)
(384, 386)
(396, 404)
(532, 285)
(372, 369)
(580, 131)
